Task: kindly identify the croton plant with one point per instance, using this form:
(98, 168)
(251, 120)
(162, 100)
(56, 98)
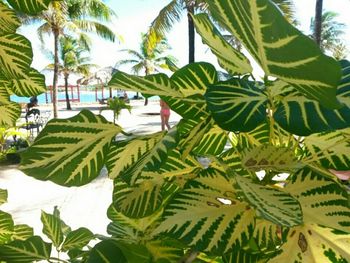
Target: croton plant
(265, 192)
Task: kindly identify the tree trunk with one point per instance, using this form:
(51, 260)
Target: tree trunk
(318, 22)
(110, 92)
(66, 91)
(55, 74)
(147, 72)
(191, 36)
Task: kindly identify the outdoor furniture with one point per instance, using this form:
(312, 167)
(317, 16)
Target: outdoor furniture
(33, 122)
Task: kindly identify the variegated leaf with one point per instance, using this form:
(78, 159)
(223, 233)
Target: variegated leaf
(312, 243)
(10, 111)
(124, 154)
(281, 50)
(236, 104)
(266, 234)
(212, 143)
(194, 78)
(22, 232)
(9, 21)
(29, 250)
(32, 84)
(233, 159)
(52, 228)
(272, 204)
(3, 196)
(178, 170)
(344, 86)
(194, 135)
(77, 239)
(207, 216)
(15, 55)
(322, 200)
(126, 228)
(107, 251)
(149, 152)
(31, 7)
(229, 58)
(191, 108)
(269, 157)
(158, 84)
(140, 200)
(164, 251)
(6, 227)
(135, 252)
(331, 150)
(302, 116)
(72, 151)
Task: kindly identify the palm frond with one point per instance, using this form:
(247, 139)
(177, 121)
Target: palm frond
(95, 27)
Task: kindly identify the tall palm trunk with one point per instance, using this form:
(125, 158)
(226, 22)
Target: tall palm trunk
(55, 73)
(66, 91)
(147, 72)
(191, 36)
(318, 21)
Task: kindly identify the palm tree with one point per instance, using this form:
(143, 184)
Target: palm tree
(73, 16)
(330, 33)
(172, 12)
(71, 57)
(149, 59)
(317, 27)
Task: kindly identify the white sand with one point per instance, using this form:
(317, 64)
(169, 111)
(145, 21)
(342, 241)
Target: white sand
(84, 206)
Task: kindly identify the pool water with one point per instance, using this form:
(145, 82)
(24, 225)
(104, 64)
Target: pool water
(85, 96)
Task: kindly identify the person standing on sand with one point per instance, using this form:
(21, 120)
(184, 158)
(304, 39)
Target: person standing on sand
(164, 114)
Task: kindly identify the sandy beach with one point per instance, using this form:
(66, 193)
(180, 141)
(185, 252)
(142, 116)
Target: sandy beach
(84, 206)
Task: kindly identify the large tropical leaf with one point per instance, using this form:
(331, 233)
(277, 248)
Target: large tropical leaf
(70, 151)
(6, 227)
(331, 150)
(33, 83)
(194, 135)
(236, 104)
(312, 243)
(15, 55)
(8, 20)
(207, 216)
(302, 116)
(10, 111)
(31, 7)
(141, 154)
(77, 239)
(193, 107)
(140, 200)
(22, 232)
(29, 250)
(269, 157)
(158, 84)
(266, 234)
(3, 196)
(271, 203)
(212, 143)
(281, 50)
(165, 251)
(344, 86)
(194, 78)
(52, 228)
(135, 252)
(107, 251)
(229, 58)
(322, 200)
(178, 170)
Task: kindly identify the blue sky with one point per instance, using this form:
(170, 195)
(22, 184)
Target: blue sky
(135, 16)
